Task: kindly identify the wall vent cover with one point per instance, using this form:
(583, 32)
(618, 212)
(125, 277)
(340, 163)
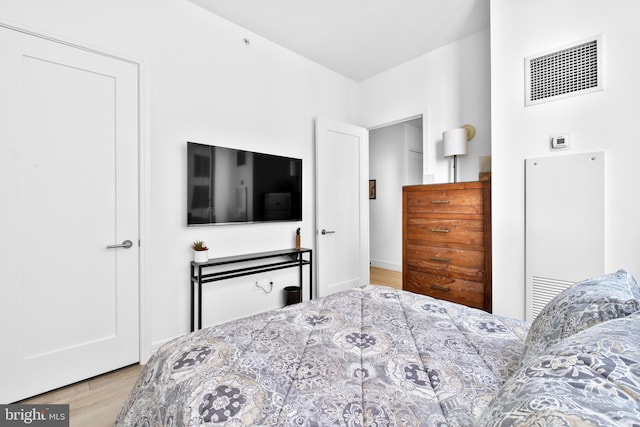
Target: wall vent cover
(568, 71)
(544, 290)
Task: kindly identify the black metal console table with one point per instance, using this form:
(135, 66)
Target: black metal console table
(199, 277)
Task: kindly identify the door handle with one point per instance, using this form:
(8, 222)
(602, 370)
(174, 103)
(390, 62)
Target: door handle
(125, 244)
(327, 232)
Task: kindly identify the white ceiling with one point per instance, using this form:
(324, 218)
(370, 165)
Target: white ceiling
(356, 38)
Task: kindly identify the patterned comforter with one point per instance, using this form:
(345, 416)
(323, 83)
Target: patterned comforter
(370, 356)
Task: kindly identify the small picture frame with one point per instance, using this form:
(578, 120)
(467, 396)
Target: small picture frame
(372, 189)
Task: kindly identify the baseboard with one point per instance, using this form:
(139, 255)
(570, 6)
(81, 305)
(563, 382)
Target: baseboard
(385, 265)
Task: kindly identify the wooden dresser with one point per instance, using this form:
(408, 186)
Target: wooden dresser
(446, 242)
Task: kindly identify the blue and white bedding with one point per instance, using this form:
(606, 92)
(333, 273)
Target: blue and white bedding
(377, 356)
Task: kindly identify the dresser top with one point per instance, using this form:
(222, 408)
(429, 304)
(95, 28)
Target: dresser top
(451, 186)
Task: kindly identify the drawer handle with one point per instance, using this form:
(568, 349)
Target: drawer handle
(435, 258)
(440, 230)
(440, 288)
(440, 202)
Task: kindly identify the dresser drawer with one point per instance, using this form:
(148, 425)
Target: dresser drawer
(438, 232)
(460, 291)
(462, 264)
(465, 201)
(446, 241)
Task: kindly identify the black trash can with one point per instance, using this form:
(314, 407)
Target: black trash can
(292, 295)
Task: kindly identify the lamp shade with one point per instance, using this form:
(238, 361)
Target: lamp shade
(455, 142)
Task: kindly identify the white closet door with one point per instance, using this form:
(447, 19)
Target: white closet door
(68, 188)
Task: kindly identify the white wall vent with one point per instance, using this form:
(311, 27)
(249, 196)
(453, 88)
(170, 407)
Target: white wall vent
(564, 224)
(543, 290)
(568, 71)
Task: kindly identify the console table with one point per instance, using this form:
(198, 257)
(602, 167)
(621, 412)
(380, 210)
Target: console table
(229, 268)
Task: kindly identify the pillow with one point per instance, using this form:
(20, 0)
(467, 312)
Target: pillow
(581, 306)
(590, 379)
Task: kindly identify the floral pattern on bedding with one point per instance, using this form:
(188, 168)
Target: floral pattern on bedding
(591, 378)
(371, 356)
(580, 307)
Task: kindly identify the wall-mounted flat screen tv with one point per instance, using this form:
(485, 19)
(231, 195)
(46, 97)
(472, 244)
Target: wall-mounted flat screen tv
(226, 186)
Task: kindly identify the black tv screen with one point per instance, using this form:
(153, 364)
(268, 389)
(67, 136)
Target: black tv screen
(225, 186)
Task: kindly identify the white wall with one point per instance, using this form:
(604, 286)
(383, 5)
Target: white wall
(599, 121)
(388, 148)
(201, 83)
(451, 87)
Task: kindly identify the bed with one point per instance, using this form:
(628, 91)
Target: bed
(377, 356)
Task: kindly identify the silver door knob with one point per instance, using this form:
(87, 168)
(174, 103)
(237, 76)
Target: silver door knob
(326, 231)
(125, 244)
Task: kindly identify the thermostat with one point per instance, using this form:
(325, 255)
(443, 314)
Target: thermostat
(560, 141)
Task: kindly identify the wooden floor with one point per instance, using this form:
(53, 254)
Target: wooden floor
(380, 276)
(97, 401)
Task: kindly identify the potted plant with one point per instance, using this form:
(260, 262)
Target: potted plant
(200, 251)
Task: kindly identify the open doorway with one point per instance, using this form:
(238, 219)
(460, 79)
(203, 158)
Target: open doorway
(395, 160)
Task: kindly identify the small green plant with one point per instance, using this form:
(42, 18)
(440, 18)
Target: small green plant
(199, 245)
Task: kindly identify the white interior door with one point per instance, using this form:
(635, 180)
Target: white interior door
(342, 206)
(414, 167)
(68, 188)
